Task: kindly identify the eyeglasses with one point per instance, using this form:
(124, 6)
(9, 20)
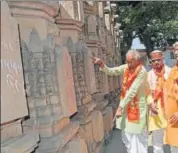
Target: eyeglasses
(155, 60)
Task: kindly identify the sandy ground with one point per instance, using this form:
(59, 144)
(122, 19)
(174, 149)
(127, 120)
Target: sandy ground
(116, 145)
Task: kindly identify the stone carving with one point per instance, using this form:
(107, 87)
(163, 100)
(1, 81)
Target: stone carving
(59, 73)
(76, 10)
(40, 65)
(66, 83)
(78, 71)
(88, 66)
(92, 24)
(12, 82)
(37, 9)
(97, 126)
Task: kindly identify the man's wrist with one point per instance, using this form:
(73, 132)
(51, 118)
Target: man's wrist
(101, 65)
(120, 108)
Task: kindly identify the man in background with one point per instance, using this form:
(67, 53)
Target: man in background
(157, 122)
(171, 105)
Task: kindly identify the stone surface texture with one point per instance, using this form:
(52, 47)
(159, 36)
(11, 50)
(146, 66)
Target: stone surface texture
(56, 100)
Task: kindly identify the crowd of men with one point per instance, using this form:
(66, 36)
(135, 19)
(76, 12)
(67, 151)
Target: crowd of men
(148, 108)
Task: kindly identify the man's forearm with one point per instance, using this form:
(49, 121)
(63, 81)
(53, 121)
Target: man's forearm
(115, 71)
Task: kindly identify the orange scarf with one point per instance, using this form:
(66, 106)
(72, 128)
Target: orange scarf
(172, 83)
(132, 108)
(158, 93)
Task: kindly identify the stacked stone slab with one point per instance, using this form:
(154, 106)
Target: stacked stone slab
(82, 48)
(41, 84)
(14, 140)
(69, 111)
(48, 84)
(83, 72)
(107, 114)
(85, 103)
(13, 102)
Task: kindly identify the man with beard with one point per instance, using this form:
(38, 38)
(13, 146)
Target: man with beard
(132, 111)
(156, 117)
(171, 105)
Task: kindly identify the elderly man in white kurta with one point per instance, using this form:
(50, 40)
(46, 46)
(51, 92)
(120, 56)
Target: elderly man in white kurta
(132, 110)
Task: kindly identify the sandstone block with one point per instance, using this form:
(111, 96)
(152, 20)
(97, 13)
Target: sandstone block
(12, 80)
(89, 72)
(33, 113)
(87, 99)
(86, 133)
(30, 102)
(97, 126)
(101, 105)
(57, 109)
(47, 120)
(52, 129)
(56, 142)
(44, 111)
(86, 109)
(22, 144)
(98, 97)
(108, 119)
(83, 119)
(49, 110)
(66, 81)
(77, 145)
(29, 125)
(43, 101)
(11, 130)
(54, 99)
(99, 148)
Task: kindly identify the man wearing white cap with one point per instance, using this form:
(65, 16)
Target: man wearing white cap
(156, 117)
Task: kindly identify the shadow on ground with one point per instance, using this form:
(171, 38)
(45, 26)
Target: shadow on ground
(116, 145)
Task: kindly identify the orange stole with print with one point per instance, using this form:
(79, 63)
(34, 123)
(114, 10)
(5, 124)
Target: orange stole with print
(133, 112)
(158, 93)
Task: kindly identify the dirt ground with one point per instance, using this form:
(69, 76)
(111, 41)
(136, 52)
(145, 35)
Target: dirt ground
(116, 145)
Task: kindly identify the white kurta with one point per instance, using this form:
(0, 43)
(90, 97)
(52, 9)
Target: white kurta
(157, 124)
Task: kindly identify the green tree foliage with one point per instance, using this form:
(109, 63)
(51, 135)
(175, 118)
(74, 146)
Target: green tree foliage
(154, 22)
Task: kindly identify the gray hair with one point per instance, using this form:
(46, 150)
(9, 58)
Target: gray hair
(176, 43)
(134, 53)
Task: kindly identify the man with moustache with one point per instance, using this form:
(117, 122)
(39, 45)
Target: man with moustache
(171, 105)
(132, 110)
(156, 117)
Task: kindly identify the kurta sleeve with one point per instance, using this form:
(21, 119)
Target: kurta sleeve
(116, 71)
(134, 88)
